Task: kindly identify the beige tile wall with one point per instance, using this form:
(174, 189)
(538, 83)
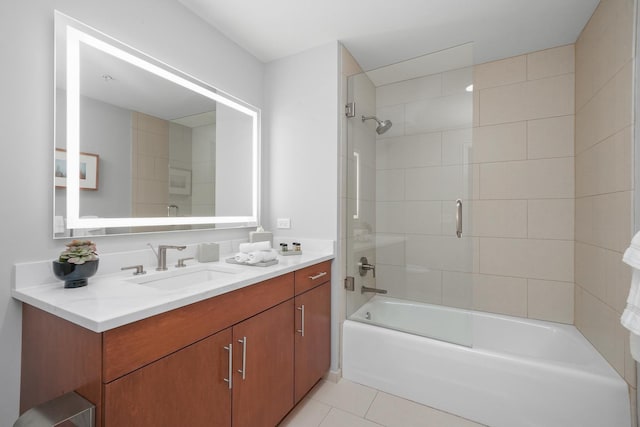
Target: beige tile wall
(604, 179)
(518, 255)
(150, 157)
(421, 168)
(180, 157)
(523, 201)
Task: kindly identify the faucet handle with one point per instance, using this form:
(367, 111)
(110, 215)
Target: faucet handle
(139, 269)
(364, 266)
(182, 260)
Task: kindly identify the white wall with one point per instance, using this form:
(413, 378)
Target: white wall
(106, 131)
(300, 129)
(233, 178)
(162, 28)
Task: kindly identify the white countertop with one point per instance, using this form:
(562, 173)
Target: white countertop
(113, 300)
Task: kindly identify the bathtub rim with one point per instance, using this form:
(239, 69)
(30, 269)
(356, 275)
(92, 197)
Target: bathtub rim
(597, 366)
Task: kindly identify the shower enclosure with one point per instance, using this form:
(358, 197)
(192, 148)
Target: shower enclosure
(409, 186)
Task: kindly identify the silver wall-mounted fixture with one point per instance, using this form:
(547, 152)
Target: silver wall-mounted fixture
(383, 125)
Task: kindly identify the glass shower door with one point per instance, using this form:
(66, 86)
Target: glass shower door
(409, 188)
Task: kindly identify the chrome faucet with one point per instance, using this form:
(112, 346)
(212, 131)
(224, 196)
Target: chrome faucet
(162, 255)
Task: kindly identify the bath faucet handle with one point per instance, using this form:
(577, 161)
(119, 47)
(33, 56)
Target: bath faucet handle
(139, 269)
(182, 260)
(364, 266)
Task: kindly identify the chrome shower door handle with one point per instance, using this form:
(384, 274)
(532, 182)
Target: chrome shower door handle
(459, 218)
(230, 379)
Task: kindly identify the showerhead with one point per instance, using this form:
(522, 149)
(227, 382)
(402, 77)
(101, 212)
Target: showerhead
(383, 125)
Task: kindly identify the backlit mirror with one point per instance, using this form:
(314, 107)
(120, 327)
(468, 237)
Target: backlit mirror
(141, 146)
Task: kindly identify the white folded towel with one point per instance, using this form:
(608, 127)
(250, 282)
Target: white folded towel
(241, 257)
(261, 256)
(632, 254)
(630, 318)
(254, 247)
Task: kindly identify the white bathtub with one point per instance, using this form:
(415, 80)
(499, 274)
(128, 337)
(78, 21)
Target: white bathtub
(518, 373)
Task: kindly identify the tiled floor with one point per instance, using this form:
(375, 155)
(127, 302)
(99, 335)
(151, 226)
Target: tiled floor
(347, 404)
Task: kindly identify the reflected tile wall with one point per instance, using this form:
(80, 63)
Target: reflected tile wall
(150, 155)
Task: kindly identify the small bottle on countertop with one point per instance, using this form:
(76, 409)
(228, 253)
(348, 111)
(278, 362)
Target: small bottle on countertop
(284, 247)
(297, 247)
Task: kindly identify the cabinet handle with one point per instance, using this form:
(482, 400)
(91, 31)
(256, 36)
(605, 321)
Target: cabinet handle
(230, 379)
(317, 276)
(243, 371)
(301, 331)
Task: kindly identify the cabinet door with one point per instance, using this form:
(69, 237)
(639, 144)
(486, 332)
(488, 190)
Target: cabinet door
(186, 388)
(313, 349)
(263, 384)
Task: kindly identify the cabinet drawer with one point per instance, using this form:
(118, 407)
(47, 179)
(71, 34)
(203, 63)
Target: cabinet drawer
(313, 276)
(132, 346)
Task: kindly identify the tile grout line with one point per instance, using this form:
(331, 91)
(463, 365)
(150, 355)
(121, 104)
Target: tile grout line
(375, 396)
(325, 415)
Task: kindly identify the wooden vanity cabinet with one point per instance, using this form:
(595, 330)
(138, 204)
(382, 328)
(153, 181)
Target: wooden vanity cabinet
(173, 369)
(191, 388)
(313, 327)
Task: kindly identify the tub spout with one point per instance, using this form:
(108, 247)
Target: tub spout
(374, 290)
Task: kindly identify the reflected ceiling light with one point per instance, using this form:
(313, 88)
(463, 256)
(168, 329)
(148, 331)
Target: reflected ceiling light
(469, 88)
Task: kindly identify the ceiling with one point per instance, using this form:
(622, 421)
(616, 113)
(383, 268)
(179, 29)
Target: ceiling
(382, 32)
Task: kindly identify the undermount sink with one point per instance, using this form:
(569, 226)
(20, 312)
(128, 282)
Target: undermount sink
(183, 279)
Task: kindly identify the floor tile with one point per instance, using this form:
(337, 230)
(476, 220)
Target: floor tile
(339, 418)
(392, 411)
(345, 395)
(308, 413)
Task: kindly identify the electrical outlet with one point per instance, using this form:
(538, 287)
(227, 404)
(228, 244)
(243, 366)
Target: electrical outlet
(283, 223)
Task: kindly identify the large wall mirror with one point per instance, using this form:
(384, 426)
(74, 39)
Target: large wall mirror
(141, 146)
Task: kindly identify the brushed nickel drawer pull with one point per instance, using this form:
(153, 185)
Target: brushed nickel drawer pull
(301, 331)
(230, 379)
(319, 275)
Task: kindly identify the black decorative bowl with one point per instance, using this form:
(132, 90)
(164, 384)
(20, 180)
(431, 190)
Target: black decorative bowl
(75, 275)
